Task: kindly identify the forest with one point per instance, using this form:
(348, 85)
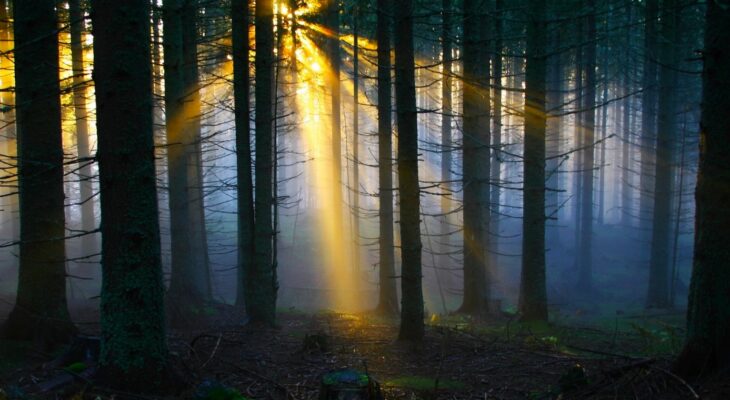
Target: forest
(364, 199)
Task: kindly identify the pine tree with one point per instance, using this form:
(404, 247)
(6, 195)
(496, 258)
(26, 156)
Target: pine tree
(707, 348)
(241, 94)
(40, 311)
(388, 296)
(411, 326)
(533, 293)
(133, 342)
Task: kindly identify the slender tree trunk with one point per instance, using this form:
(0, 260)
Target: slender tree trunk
(133, 342)
(182, 266)
(658, 290)
(192, 134)
(585, 250)
(261, 304)
(446, 135)
(708, 316)
(476, 159)
(7, 125)
(411, 326)
(333, 18)
(496, 161)
(40, 311)
(580, 137)
(626, 162)
(601, 194)
(387, 295)
(533, 293)
(242, 115)
(356, 152)
(554, 101)
(648, 118)
(82, 132)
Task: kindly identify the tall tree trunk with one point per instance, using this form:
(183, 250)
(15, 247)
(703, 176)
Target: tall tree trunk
(533, 293)
(585, 250)
(7, 124)
(626, 154)
(244, 176)
(708, 316)
(189, 278)
(554, 102)
(40, 311)
(496, 160)
(192, 134)
(333, 43)
(356, 261)
(88, 224)
(133, 342)
(411, 324)
(261, 303)
(446, 138)
(387, 294)
(648, 118)
(658, 290)
(475, 173)
(177, 169)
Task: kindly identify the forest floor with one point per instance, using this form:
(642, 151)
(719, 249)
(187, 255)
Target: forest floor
(459, 359)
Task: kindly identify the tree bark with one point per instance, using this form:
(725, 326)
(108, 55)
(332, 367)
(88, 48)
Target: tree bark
(242, 115)
(585, 249)
(40, 311)
(658, 290)
(133, 342)
(708, 316)
(261, 304)
(533, 293)
(648, 118)
(88, 223)
(387, 294)
(411, 326)
(475, 174)
(189, 278)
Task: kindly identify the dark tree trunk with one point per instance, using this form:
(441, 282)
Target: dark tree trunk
(475, 172)
(447, 222)
(7, 124)
(533, 294)
(411, 326)
(333, 50)
(88, 224)
(496, 160)
(189, 278)
(40, 311)
(648, 118)
(707, 348)
(626, 154)
(585, 250)
(192, 133)
(133, 342)
(356, 261)
(241, 94)
(554, 102)
(388, 296)
(261, 303)
(658, 291)
(177, 170)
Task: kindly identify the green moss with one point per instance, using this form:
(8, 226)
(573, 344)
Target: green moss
(76, 367)
(424, 383)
